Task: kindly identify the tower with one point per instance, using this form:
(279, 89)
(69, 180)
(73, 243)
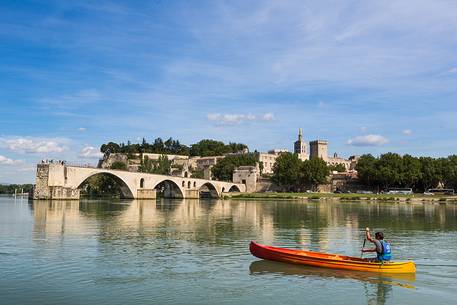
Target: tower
(318, 149)
(300, 146)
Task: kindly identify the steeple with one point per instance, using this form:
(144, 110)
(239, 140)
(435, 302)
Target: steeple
(300, 146)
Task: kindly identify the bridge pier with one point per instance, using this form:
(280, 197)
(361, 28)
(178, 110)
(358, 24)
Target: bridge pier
(46, 189)
(146, 194)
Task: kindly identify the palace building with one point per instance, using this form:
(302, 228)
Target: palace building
(317, 149)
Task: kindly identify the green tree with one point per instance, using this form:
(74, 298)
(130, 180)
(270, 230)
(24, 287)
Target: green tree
(119, 165)
(449, 167)
(314, 171)
(223, 170)
(286, 171)
(411, 174)
(367, 170)
(208, 147)
(9, 188)
(431, 172)
(389, 170)
(111, 147)
(162, 166)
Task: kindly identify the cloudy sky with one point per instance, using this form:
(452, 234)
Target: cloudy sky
(369, 76)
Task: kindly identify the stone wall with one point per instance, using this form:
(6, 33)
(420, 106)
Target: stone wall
(246, 175)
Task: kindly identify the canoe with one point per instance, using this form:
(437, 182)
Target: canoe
(327, 260)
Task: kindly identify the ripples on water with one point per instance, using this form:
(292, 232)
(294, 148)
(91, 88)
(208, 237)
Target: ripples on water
(196, 252)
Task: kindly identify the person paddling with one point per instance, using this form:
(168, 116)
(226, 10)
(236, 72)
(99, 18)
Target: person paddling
(382, 248)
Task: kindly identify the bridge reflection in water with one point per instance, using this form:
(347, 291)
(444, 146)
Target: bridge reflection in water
(317, 226)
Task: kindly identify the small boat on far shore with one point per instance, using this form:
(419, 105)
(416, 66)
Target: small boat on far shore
(325, 260)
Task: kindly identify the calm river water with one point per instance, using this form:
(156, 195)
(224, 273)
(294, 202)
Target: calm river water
(196, 252)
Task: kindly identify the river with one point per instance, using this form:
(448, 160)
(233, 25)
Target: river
(196, 252)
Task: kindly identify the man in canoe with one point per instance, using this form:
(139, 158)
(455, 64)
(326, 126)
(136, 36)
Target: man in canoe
(382, 248)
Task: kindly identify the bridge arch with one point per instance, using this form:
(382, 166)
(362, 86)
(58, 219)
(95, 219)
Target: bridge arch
(126, 191)
(234, 188)
(169, 189)
(208, 190)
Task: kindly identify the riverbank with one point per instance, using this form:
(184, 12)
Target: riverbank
(342, 197)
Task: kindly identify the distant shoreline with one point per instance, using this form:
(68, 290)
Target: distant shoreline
(415, 198)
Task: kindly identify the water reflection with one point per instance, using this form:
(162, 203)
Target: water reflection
(377, 287)
(316, 226)
(196, 251)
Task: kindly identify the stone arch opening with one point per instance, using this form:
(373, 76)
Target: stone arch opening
(208, 190)
(168, 189)
(234, 188)
(183, 183)
(223, 189)
(195, 184)
(141, 183)
(188, 184)
(105, 185)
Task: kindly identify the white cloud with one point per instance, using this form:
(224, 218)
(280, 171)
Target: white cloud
(268, 117)
(368, 140)
(232, 119)
(90, 152)
(82, 129)
(363, 129)
(7, 161)
(453, 70)
(34, 145)
(407, 132)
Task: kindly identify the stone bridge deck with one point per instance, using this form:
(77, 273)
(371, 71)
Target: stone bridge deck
(57, 181)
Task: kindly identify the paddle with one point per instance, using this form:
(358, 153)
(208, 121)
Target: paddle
(364, 241)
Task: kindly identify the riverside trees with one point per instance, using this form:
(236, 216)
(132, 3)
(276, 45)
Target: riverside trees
(394, 170)
(292, 174)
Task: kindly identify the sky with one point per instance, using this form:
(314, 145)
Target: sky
(368, 76)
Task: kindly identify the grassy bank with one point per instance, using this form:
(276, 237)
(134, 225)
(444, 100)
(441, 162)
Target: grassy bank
(347, 197)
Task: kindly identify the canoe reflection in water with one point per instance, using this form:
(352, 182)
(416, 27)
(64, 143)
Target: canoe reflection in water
(382, 283)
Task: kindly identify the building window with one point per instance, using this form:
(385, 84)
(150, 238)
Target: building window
(141, 183)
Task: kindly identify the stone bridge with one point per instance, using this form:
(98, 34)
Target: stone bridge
(57, 181)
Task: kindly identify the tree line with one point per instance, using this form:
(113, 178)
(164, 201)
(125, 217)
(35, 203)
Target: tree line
(9, 188)
(294, 175)
(419, 173)
(202, 148)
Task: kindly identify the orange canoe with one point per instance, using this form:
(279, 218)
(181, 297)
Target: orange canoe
(325, 260)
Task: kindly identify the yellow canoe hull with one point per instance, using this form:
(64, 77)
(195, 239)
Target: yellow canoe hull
(326, 260)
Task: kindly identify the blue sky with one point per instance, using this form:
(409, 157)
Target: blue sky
(368, 76)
